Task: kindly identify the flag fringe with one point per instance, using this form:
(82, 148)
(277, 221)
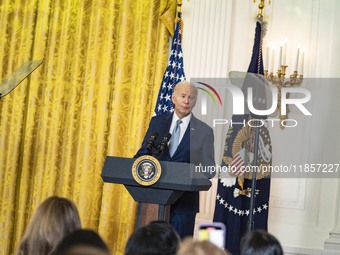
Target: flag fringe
(263, 24)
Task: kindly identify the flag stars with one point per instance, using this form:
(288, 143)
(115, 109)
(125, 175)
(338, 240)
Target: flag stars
(218, 197)
(171, 76)
(239, 211)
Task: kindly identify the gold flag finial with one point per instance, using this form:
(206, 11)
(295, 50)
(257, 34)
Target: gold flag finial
(178, 18)
(179, 5)
(261, 7)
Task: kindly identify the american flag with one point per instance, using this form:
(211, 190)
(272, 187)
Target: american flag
(238, 162)
(173, 74)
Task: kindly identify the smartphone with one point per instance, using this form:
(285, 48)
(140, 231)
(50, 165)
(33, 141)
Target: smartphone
(214, 232)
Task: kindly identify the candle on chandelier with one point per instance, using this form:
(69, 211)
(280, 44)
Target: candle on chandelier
(302, 61)
(266, 63)
(284, 51)
(280, 58)
(272, 59)
(297, 59)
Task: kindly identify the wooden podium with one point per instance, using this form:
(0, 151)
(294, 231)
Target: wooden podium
(155, 201)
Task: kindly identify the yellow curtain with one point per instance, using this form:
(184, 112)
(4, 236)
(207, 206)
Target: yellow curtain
(93, 96)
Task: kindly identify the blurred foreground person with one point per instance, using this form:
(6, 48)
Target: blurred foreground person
(156, 238)
(260, 242)
(54, 219)
(195, 247)
(82, 242)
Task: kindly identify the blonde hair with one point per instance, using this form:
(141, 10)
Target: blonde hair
(55, 218)
(194, 247)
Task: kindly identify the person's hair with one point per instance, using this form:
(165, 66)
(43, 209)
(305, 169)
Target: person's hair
(260, 242)
(85, 250)
(80, 241)
(55, 218)
(195, 247)
(156, 238)
(192, 87)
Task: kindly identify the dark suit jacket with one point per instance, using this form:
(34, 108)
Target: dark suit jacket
(196, 146)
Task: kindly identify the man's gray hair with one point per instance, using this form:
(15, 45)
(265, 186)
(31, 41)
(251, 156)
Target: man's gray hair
(192, 86)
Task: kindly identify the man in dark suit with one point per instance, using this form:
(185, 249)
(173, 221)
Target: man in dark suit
(192, 141)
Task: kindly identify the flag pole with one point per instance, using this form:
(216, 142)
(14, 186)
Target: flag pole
(251, 222)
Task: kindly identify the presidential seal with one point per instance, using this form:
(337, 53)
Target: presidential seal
(146, 170)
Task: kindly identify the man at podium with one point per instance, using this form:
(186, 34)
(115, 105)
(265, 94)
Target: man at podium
(192, 141)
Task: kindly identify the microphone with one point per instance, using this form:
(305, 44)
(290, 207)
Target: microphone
(151, 141)
(162, 145)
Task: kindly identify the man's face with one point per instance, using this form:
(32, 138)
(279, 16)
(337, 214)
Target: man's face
(184, 98)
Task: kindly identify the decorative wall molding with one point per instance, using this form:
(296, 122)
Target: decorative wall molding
(206, 48)
(288, 250)
(297, 202)
(332, 244)
(206, 44)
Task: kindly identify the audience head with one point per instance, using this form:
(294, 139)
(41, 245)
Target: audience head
(82, 242)
(156, 238)
(260, 242)
(184, 98)
(195, 247)
(55, 218)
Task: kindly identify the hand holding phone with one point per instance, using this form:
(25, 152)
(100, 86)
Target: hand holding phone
(214, 232)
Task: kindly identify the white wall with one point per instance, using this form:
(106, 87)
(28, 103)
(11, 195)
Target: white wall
(218, 37)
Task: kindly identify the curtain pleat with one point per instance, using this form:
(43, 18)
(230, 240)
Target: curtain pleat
(93, 96)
